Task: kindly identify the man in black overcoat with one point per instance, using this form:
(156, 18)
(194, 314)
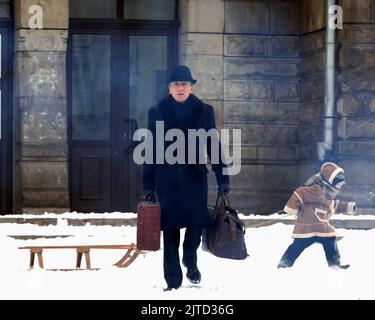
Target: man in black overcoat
(182, 187)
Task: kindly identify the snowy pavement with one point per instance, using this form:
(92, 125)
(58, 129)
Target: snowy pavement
(254, 278)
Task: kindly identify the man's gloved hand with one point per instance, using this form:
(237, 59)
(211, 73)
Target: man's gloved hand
(149, 195)
(223, 189)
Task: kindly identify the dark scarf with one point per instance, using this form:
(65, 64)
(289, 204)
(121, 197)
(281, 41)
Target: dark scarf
(180, 110)
(191, 113)
(330, 192)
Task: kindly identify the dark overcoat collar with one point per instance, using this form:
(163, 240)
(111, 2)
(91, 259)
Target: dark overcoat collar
(195, 115)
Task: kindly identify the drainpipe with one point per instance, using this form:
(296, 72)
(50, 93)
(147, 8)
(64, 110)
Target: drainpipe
(325, 147)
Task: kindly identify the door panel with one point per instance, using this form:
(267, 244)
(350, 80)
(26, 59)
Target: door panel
(91, 87)
(5, 122)
(92, 188)
(116, 78)
(148, 67)
(91, 104)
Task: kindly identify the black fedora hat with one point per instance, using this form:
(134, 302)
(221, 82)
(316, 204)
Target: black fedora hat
(181, 73)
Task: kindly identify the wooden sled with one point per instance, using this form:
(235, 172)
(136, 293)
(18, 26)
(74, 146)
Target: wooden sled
(130, 255)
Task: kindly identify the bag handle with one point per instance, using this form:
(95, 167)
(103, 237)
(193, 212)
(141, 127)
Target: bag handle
(222, 201)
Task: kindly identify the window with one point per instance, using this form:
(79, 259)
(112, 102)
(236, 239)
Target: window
(148, 74)
(149, 9)
(91, 95)
(4, 9)
(123, 9)
(93, 9)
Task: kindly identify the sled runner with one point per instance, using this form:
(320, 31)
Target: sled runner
(130, 255)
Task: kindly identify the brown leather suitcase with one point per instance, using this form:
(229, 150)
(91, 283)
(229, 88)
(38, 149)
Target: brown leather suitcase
(148, 226)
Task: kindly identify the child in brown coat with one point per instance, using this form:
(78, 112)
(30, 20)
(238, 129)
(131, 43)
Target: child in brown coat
(314, 203)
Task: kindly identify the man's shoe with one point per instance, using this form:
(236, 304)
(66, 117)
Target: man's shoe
(340, 266)
(283, 264)
(193, 275)
(169, 288)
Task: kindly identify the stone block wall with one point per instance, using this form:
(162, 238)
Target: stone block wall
(260, 63)
(41, 150)
(247, 65)
(356, 99)
(269, 61)
(261, 96)
(312, 76)
(312, 68)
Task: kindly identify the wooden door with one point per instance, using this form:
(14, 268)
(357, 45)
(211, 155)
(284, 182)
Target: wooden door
(6, 120)
(115, 76)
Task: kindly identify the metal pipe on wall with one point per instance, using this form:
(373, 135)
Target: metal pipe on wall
(325, 147)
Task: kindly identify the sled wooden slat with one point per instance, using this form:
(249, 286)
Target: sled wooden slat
(130, 255)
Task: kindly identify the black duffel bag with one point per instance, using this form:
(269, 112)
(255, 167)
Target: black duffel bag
(225, 237)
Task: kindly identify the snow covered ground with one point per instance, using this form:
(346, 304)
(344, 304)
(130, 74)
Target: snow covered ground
(254, 278)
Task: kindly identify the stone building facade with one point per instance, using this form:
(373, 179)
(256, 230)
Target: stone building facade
(260, 63)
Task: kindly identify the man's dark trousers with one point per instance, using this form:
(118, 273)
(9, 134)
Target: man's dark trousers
(172, 267)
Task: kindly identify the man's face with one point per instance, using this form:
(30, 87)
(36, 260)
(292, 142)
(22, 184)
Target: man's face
(180, 90)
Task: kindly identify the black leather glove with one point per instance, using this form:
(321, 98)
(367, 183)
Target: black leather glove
(223, 189)
(149, 195)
